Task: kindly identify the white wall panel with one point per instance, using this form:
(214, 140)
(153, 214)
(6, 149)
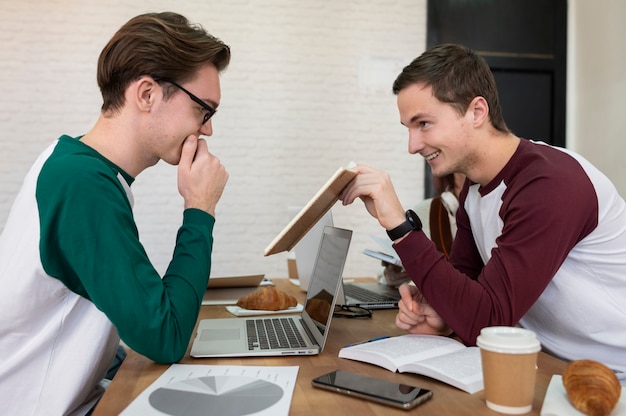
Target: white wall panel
(296, 105)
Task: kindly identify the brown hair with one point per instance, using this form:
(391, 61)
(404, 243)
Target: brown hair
(456, 75)
(164, 45)
(444, 183)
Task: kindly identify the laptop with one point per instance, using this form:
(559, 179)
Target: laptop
(364, 295)
(306, 250)
(369, 296)
(305, 334)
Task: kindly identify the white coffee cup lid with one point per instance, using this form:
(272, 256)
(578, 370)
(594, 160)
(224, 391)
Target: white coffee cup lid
(508, 339)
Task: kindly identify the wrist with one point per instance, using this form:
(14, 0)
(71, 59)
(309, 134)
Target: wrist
(395, 222)
(202, 206)
(412, 223)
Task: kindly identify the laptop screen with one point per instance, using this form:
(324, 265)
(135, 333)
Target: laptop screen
(326, 278)
(306, 250)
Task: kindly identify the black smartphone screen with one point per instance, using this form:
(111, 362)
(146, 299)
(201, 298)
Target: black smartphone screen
(381, 391)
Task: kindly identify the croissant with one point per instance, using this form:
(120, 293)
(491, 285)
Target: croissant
(591, 387)
(318, 309)
(267, 298)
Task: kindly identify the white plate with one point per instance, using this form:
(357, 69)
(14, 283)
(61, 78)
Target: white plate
(237, 311)
(556, 402)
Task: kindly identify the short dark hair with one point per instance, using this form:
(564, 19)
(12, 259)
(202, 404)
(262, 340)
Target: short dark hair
(456, 75)
(444, 183)
(164, 45)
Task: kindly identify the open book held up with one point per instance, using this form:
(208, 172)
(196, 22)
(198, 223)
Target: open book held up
(312, 211)
(438, 357)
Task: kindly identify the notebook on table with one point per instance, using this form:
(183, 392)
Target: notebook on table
(304, 334)
(227, 290)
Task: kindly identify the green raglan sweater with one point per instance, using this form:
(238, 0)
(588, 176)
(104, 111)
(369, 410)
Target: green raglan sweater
(89, 241)
(74, 275)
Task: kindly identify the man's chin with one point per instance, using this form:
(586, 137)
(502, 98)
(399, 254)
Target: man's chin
(174, 160)
(438, 173)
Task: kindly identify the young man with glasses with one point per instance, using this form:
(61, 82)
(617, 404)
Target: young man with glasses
(74, 275)
(541, 233)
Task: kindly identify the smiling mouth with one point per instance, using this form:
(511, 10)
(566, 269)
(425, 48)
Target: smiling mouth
(432, 156)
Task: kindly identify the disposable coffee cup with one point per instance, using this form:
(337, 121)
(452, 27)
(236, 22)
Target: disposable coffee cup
(509, 361)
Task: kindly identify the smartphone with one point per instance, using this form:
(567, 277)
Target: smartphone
(381, 391)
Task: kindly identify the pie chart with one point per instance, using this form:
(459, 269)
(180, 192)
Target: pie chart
(216, 395)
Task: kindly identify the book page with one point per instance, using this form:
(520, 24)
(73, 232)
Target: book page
(461, 369)
(393, 353)
(312, 211)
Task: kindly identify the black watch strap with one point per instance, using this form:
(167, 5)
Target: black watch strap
(412, 223)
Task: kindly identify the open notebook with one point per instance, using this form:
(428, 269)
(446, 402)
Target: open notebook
(304, 334)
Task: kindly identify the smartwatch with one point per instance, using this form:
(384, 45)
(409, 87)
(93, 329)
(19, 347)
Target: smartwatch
(412, 223)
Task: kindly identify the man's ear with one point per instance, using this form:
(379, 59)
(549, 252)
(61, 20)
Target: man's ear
(144, 93)
(479, 109)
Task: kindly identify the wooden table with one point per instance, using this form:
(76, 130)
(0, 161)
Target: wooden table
(138, 372)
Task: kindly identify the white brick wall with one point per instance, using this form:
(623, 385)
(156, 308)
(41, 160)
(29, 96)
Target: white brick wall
(296, 105)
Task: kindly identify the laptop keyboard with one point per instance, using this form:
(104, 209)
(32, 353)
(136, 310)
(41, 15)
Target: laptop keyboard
(364, 295)
(273, 333)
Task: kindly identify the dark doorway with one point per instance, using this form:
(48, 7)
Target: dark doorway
(525, 43)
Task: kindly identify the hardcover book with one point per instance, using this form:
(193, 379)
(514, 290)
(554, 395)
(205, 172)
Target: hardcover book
(311, 213)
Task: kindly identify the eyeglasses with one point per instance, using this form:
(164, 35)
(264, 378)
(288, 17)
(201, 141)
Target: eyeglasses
(345, 311)
(210, 111)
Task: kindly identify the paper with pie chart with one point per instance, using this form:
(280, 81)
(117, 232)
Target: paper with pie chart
(189, 389)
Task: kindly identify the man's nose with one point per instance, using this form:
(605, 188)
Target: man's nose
(207, 128)
(416, 144)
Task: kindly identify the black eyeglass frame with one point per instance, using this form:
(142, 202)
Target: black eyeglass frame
(351, 311)
(210, 110)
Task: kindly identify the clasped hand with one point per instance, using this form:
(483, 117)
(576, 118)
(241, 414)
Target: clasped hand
(416, 316)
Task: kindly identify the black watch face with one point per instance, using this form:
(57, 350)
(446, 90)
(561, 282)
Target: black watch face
(414, 219)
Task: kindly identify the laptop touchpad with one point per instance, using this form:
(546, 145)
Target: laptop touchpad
(220, 334)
